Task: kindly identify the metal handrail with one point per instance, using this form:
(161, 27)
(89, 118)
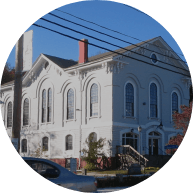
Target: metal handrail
(134, 151)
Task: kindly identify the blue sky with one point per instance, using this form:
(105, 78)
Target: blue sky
(112, 15)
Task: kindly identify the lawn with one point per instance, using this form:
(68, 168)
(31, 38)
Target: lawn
(124, 172)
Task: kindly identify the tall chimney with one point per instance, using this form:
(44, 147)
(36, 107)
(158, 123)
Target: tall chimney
(83, 51)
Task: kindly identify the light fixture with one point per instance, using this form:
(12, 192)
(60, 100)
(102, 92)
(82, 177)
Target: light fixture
(160, 126)
(139, 128)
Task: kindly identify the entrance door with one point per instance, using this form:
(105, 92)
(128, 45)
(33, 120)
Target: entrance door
(153, 146)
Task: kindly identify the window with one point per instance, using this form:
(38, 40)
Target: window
(69, 142)
(129, 100)
(153, 101)
(153, 133)
(70, 104)
(45, 144)
(174, 102)
(130, 139)
(26, 112)
(49, 107)
(93, 137)
(154, 58)
(24, 145)
(44, 106)
(9, 114)
(94, 100)
(45, 169)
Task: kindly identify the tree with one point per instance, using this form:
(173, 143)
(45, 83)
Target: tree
(181, 121)
(8, 74)
(39, 152)
(93, 150)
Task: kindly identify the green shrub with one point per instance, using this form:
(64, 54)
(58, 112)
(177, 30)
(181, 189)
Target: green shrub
(90, 166)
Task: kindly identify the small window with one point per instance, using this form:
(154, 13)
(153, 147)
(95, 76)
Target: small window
(93, 137)
(154, 58)
(26, 112)
(45, 144)
(69, 142)
(94, 100)
(24, 145)
(9, 114)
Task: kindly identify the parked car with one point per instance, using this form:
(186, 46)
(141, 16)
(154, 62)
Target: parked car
(61, 176)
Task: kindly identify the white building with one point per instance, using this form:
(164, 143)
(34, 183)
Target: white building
(64, 101)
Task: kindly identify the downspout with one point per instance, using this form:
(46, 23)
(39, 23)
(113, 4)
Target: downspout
(80, 119)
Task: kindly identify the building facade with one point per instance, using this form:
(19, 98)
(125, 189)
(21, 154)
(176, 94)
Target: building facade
(110, 95)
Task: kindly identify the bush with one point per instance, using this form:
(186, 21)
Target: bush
(90, 166)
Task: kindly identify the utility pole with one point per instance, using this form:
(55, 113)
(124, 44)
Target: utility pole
(17, 94)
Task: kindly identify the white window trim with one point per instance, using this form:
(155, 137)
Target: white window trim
(156, 57)
(24, 154)
(158, 102)
(69, 153)
(66, 103)
(47, 153)
(46, 88)
(6, 111)
(135, 100)
(135, 131)
(88, 100)
(179, 102)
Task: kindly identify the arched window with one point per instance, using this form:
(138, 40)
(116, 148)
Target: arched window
(129, 106)
(70, 104)
(26, 112)
(24, 145)
(94, 100)
(44, 106)
(174, 102)
(49, 107)
(153, 101)
(9, 114)
(45, 144)
(130, 139)
(93, 137)
(69, 142)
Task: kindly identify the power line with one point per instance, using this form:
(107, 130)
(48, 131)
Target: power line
(112, 30)
(108, 43)
(114, 37)
(108, 49)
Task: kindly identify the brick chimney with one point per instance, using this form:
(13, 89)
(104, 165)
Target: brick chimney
(83, 51)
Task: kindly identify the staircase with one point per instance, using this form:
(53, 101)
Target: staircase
(127, 155)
